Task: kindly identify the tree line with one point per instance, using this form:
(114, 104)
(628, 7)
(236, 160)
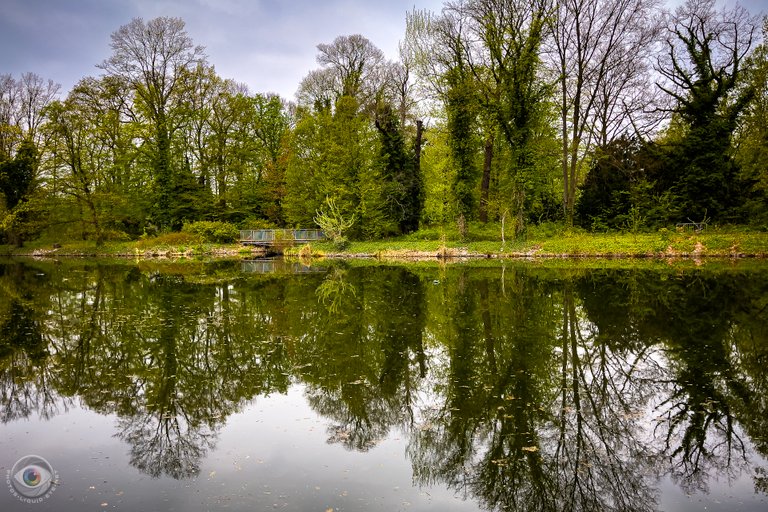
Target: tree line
(607, 114)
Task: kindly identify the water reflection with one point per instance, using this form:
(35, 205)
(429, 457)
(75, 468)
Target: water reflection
(519, 388)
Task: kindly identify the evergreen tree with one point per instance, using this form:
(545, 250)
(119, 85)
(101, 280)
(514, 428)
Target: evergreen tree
(403, 187)
(17, 175)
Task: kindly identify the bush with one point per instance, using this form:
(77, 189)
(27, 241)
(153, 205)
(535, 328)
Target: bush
(213, 232)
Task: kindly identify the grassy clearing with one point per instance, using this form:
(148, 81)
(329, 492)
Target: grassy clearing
(547, 240)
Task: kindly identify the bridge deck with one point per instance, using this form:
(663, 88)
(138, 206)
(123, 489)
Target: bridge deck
(270, 237)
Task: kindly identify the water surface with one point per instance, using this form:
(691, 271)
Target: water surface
(338, 386)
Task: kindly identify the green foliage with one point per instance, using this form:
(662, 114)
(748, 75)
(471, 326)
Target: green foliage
(27, 220)
(17, 175)
(175, 239)
(438, 175)
(619, 191)
(752, 136)
(214, 232)
(403, 195)
(255, 223)
(333, 222)
(461, 112)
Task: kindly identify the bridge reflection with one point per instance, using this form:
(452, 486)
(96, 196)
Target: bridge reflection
(278, 266)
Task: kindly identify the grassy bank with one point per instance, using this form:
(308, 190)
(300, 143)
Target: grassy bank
(613, 245)
(482, 241)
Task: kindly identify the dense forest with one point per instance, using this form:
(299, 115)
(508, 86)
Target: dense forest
(603, 114)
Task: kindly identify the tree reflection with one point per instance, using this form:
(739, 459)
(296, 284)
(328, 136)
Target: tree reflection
(522, 389)
(710, 332)
(530, 418)
(25, 379)
(364, 354)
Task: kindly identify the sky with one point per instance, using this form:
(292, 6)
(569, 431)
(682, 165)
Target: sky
(269, 45)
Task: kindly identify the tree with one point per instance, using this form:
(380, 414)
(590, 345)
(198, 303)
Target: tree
(752, 136)
(403, 188)
(618, 190)
(595, 46)
(355, 62)
(22, 110)
(441, 49)
(10, 131)
(17, 183)
(152, 57)
(35, 94)
(706, 51)
(506, 65)
(17, 176)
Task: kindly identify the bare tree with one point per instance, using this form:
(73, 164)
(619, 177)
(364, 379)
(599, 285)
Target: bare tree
(22, 108)
(9, 125)
(597, 51)
(351, 66)
(35, 94)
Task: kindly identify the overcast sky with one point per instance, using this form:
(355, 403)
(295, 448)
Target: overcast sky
(267, 44)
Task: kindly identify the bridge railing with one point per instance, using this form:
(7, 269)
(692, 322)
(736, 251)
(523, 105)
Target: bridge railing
(277, 236)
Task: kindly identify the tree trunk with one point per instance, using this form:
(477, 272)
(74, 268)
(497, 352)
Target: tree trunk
(485, 185)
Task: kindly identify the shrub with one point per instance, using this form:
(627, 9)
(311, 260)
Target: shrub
(213, 232)
(334, 224)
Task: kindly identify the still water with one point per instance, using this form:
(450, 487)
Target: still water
(233, 385)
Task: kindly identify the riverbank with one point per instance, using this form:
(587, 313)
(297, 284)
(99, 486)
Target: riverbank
(431, 244)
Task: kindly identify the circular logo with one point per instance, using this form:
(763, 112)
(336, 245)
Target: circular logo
(32, 477)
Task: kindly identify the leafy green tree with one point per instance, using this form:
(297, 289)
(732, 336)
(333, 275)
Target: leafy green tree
(461, 114)
(24, 214)
(440, 48)
(507, 69)
(332, 155)
(752, 136)
(17, 176)
(151, 57)
(620, 181)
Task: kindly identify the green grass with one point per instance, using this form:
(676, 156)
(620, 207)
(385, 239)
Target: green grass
(546, 240)
(552, 240)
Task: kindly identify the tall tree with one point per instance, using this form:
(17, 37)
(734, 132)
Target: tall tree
(752, 154)
(506, 64)
(706, 50)
(22, 218)
(403, 189)
(17, 175)
(151, 57)
(22, 109)
(590, 39)
(35, 94)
